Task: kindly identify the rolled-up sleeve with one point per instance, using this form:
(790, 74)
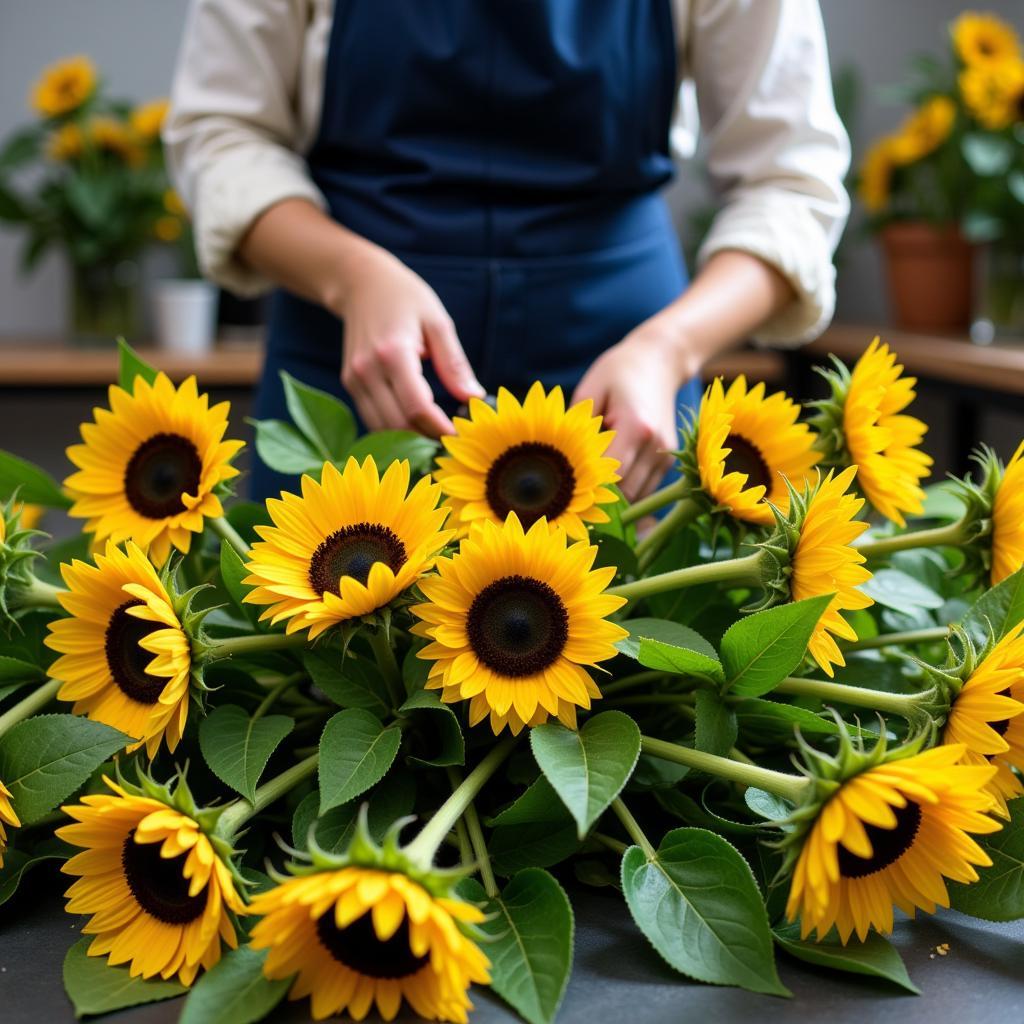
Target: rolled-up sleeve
(775, 147)
(233, 134)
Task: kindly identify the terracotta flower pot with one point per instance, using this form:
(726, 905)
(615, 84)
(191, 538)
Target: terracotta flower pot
(929, 271)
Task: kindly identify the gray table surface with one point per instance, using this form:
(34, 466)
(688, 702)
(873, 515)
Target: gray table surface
(616, 976)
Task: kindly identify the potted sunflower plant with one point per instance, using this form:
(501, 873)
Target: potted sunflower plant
(949, 179)
(86, 177)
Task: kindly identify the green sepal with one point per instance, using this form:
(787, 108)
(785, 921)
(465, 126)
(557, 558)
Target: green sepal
(979, 502)
(16, 557)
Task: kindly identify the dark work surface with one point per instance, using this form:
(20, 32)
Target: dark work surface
(617, 977)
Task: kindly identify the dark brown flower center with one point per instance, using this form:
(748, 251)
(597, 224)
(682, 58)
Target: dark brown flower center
(745, 457)
(158, 883)
(887, 844)
(531, 479)
(126, 660)
(358, 948)
(163, 468)
(517, 626)
(351, 551)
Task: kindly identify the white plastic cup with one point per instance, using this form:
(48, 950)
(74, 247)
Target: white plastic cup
(185, 315)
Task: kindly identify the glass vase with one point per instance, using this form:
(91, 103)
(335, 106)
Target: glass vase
(106, 302)
(1000, 316)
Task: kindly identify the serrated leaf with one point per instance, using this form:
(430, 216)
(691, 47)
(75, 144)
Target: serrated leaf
(348, 681)
(232, 572)
(44, 759)
(998, 895)
(132, 365)
(356, 750)
(874, 956)
(234, 991)
(588, 768)
(699, 906)
(284, 449)
(451, 746)
(237, 746)
(94, 987)
(760, 650)
(530, 928)
(15, 670)
(325, 421)
(781, 720)
(1002, 608)
(716, 724)
(666, 632)
(534, 831)
(387, 446)
(892, 588)
(32, 484)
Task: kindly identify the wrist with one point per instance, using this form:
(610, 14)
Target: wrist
(352, 259)
(666, 342)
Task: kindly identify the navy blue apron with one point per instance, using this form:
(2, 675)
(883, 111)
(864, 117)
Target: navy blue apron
(511, 153)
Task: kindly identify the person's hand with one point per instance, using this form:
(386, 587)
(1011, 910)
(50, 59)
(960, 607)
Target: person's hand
(393, 321)
(634, 385)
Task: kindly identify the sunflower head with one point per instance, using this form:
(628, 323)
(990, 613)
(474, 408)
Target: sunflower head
(534, 459)
(8, 816)
(368, 927)
(881, 828)
(126, 646)
(66, 143)
(875, 179)
(863, 424)
(743, 447)
(16, 556)
(115, 137)
(515, 619)
(161, 888)
(924, 130)
(147, 119)
(151, 467)
(63, 87)
(994, 93)
(984, 39)
(346, 548)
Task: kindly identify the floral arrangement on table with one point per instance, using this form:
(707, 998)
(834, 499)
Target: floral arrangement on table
(87, 177)
(956, 163)
(334, 746)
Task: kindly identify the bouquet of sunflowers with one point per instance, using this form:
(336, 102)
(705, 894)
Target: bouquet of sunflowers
(347, 745)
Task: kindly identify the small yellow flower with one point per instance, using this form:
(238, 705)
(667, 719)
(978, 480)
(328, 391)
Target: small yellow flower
(109, 135)
(924, 130)
(1008, 520)
(7, 815)
(148, 119)
(994, 93)
(981, 39)
(64, 87)
(167, 229)
(173, 204)
(66, 143)
(875, 184)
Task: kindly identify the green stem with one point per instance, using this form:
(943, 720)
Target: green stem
(632, 826)
(265, 704)
(745, 570)
(483, 858)
(256, 643)
(948, 536)
(631, 681)
(910, 637)
(426, 844)
(675, 491)
(613, 844)
(34, 593)
(650, 546)
(789, 787)
(29, 705)
(461, 833)
(236, 814)
(906, 705)
(228, 533)
(384, 653)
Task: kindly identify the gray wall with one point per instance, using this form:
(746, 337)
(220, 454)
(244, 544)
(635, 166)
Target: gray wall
(134, 42)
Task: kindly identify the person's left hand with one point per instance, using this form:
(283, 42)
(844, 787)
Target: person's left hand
(634, 386)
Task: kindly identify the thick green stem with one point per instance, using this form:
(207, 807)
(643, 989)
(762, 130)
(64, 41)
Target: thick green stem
(613, 844)
(29, 705)
(789, 787)
(632, 826)
(384, 653)
(675, 491)
(483, 858)
(228, 533)
(236, 814)
(738, 571)
(34, 593)
(948, 536)
(257, 643)
(661, 533)
(906, 705)
(427, 843)
(908, 638)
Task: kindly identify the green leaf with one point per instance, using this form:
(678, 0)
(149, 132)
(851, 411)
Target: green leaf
(232, 572)
(33, 484)
(285, 450)
(535, 831)
(1002, 608)
(588, 768)
(986, 154)
(672, 634)
(443, 723)
(16, 670)
(716, 724)
(760, 650)
(874, 956)
(998, 895)
(349, 681)
(17, 863)
(237, 746)
(44, 759)
(387, 446)
(780, 720)
(892, 588)
(356, 750)
(699, 906)
(94, 987)
(530, 928)
(325, 421)
(130, 366)
(234, 991)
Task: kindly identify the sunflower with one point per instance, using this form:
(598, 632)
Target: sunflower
(358, 936)
(147, 119)
(348, 547)
(1008, 520)
(924, 130)
(823, 562)
(515, 619)
(110, 135)
(7, 817)
(994, 94)
(876, 172)
(66, 143)
(984, 716)
(890, 835)
(149, 468)
(536, 459)
(159, 894)
(63, 87)
(983, 39)
(125, 659)
(748, 446)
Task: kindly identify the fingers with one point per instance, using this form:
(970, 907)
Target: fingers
(450, 360)
(413, 396)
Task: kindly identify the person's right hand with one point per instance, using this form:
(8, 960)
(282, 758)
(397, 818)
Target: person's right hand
(393, 321)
